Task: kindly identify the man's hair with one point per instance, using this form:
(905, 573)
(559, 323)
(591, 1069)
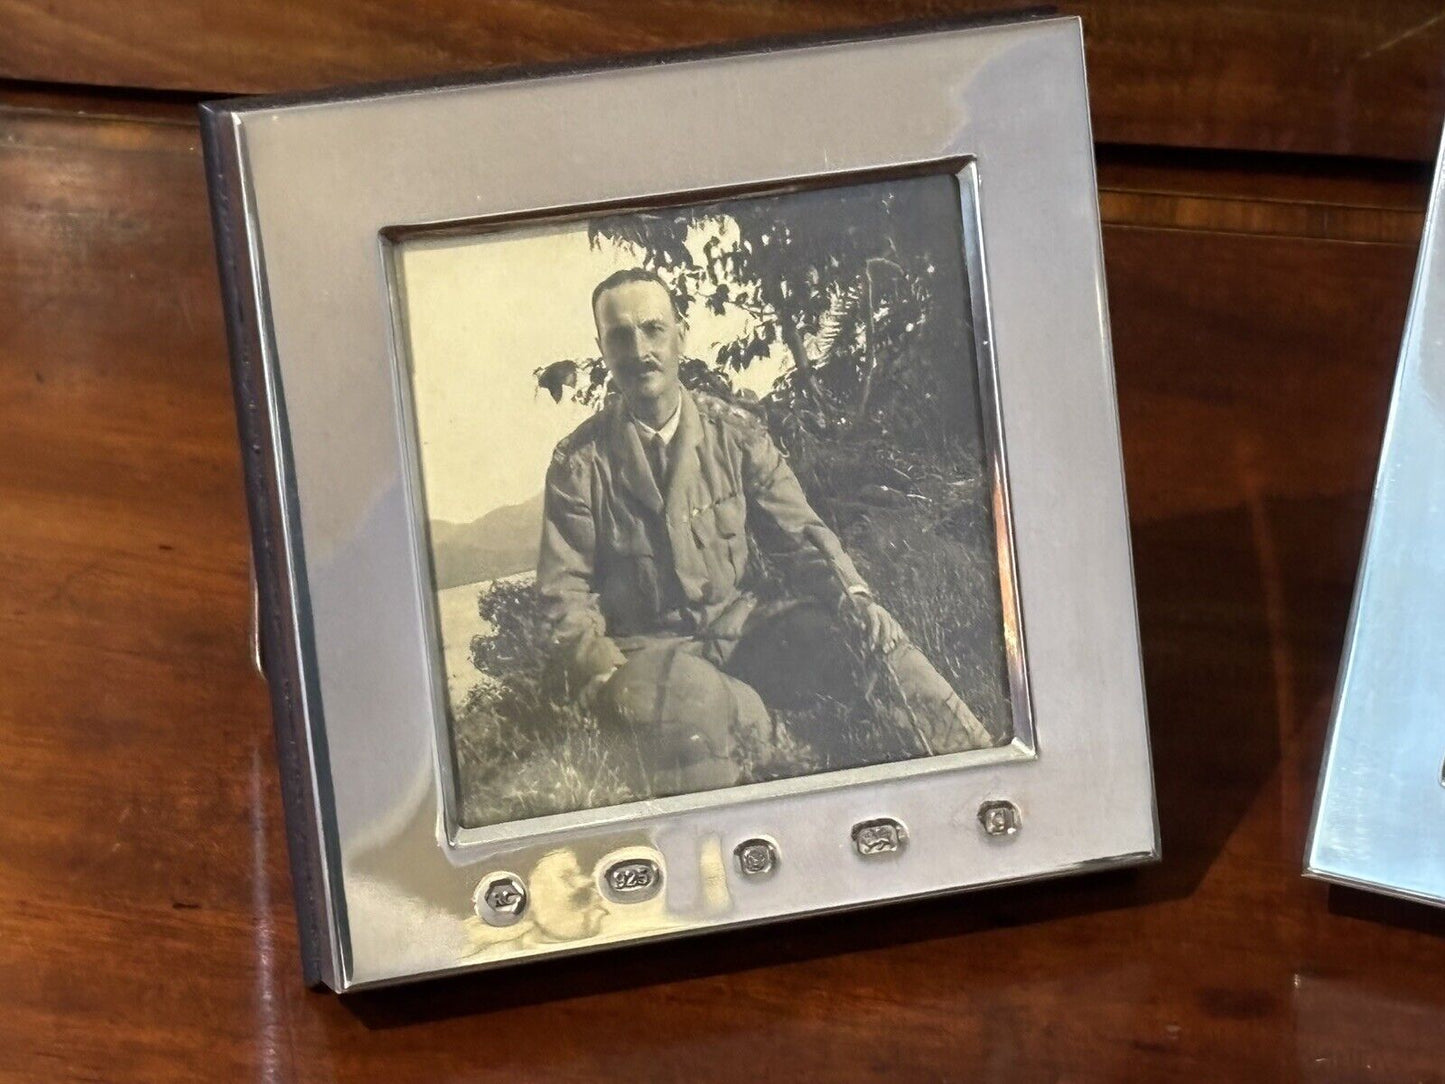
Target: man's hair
(632, 274)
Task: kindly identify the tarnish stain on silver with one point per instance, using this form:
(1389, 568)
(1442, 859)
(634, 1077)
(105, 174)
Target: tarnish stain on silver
(875, 838)
(632, 880)
(500, 899)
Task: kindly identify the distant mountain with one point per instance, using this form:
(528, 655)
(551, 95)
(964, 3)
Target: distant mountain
(501, 543)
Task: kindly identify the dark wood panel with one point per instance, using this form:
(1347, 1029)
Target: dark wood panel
(146, 930)
(1326, 76)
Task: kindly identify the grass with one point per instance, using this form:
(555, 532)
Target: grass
(929, 554)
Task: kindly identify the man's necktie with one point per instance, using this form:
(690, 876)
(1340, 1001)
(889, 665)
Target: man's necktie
(657, 456)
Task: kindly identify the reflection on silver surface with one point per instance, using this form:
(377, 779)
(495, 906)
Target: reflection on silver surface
(1380, 812)
(253, 639)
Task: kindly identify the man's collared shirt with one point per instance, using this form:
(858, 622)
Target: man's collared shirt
(657, 442)
(666, 432)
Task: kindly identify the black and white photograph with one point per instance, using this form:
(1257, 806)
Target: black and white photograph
(709, 493)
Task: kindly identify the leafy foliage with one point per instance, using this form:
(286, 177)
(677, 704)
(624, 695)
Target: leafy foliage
(844, 282)
(522, 749)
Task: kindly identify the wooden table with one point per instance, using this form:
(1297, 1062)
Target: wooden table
(146, 929)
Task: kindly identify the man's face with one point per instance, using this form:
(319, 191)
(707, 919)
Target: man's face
(640, 338)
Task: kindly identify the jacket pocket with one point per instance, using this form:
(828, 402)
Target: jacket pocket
(732, 516)
(722, 519)
(720, 531)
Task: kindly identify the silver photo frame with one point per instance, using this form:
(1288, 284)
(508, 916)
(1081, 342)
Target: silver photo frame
(313, 200)
(1381, 798)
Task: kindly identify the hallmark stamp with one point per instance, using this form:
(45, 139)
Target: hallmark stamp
(632, 880)
(756, 857)
(1000, 819)
(500, 899)
(883, 836)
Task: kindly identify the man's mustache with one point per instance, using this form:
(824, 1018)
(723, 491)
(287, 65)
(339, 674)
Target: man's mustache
(641, 366)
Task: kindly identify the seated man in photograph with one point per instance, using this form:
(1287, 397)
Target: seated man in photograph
(651, 509)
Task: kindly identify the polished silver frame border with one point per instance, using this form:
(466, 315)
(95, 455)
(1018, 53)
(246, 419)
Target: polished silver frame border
(303, 192)
(1379, 819)
(1022, 747)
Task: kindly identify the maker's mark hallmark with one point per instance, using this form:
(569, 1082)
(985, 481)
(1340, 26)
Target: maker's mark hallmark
(756, 858)
(1000, 819)
(876, 838)
(500, 899)
(632, 880)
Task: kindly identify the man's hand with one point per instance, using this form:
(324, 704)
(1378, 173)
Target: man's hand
(884, 631)
(593, 689)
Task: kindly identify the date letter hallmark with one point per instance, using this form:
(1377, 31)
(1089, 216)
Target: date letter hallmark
(1000, 819)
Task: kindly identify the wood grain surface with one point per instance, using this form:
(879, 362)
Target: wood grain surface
(1322, 76)
(146, 928)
